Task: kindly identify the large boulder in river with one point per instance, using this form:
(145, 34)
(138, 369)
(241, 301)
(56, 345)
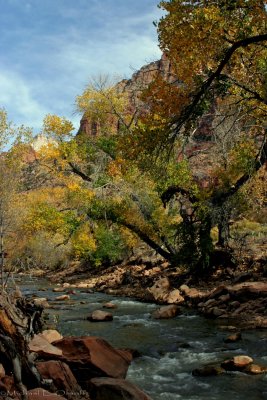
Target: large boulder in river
(99, 316)
(90, 357)
(165, 312)
(115, 389)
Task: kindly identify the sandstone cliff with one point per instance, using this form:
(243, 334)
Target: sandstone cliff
(133, 87)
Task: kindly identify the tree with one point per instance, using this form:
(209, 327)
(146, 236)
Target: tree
(106, 106)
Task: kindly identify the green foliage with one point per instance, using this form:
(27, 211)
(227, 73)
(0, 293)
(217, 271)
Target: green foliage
(110, 246)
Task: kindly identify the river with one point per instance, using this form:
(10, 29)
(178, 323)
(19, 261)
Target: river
(170, 349)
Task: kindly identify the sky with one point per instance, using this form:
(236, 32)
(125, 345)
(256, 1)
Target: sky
(49, 50)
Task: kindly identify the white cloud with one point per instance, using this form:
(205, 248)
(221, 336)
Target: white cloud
(16, 95)
(46, 65)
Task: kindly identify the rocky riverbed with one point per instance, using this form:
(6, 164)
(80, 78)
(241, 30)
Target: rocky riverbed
(228, 295)
(182, 357)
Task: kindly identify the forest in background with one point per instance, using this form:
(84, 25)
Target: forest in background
(177, 164)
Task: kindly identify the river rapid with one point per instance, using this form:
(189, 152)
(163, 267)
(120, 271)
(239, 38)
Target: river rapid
(170, 349)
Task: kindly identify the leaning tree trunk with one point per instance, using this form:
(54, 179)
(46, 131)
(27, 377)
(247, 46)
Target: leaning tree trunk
(19, 320)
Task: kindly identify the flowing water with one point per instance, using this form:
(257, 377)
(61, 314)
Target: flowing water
(170, 349)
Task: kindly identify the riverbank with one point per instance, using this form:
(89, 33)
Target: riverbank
(233, 296)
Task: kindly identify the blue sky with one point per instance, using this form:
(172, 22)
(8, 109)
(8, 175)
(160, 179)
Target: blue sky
(49, 49)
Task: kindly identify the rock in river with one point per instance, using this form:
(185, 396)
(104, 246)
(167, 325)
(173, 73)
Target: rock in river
(166, 312)
(99, 316)
(237, 363)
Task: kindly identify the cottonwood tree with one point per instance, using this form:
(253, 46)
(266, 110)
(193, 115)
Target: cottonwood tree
(217, 50)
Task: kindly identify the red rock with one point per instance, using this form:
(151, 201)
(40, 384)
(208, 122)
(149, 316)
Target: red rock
(166, 312)
(42, 394)
(63, 379)
(119, 389)
(90, 356)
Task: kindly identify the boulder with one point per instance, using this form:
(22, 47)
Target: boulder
(41, 301)
(160, 290)
(63, 297)
(218, 292)
(260, 322)
(192, 293)
(248, 290)
(51, 335)
(209, 370)
(90, 357)
(217, 312)
(40, 345)
(83, 285)
(165, 312)
(63, 379)
(237, 363)
(41, 394)
(110, 305)
(115, 389)
(224, 298)
(255, 369)
(99, 316)
(58, 289)
(175, 297)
